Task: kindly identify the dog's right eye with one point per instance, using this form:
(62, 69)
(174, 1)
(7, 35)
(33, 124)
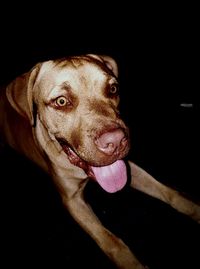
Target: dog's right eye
(62, 101)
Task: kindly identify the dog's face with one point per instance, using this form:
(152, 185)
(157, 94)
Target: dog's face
(76, 101)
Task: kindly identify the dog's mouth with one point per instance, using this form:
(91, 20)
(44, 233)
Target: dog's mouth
(111, 178)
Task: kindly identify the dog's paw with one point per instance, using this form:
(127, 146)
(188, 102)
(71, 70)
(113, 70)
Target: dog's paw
(186, 206)
(196, 213)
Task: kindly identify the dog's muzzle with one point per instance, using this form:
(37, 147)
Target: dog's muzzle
(112, 177)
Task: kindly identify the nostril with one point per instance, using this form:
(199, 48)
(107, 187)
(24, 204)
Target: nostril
(124, 141)
(110, 147)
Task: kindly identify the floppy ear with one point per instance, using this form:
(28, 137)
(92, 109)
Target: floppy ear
(109, 61)
(20, 93)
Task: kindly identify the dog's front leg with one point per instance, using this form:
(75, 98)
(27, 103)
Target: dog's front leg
(144, 182)
(112, 246)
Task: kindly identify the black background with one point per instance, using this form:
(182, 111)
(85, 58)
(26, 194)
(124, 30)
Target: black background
(157, 52)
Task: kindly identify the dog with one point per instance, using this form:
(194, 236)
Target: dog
(63, 115)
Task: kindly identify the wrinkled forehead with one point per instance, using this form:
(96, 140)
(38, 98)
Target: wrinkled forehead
(80, 76)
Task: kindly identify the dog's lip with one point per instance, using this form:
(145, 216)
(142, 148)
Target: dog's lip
(74, 158)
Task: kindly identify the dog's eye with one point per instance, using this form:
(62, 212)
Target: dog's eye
(114, 89)
(61, 101)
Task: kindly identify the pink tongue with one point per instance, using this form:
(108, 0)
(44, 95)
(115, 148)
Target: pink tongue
(112, 177)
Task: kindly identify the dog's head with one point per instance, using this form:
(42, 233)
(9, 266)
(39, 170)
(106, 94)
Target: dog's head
(76, 101)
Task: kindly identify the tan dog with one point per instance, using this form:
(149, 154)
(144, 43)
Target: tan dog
(64, 116)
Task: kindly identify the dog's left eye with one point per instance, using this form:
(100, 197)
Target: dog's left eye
(61, 101)
(114, 89)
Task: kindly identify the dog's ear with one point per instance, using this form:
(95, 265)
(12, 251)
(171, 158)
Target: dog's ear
(109, 61)
(20, 93)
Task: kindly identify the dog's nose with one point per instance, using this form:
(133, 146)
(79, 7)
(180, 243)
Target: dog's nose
(112, 142)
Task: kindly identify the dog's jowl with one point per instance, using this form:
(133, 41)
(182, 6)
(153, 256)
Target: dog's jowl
(63, 115)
